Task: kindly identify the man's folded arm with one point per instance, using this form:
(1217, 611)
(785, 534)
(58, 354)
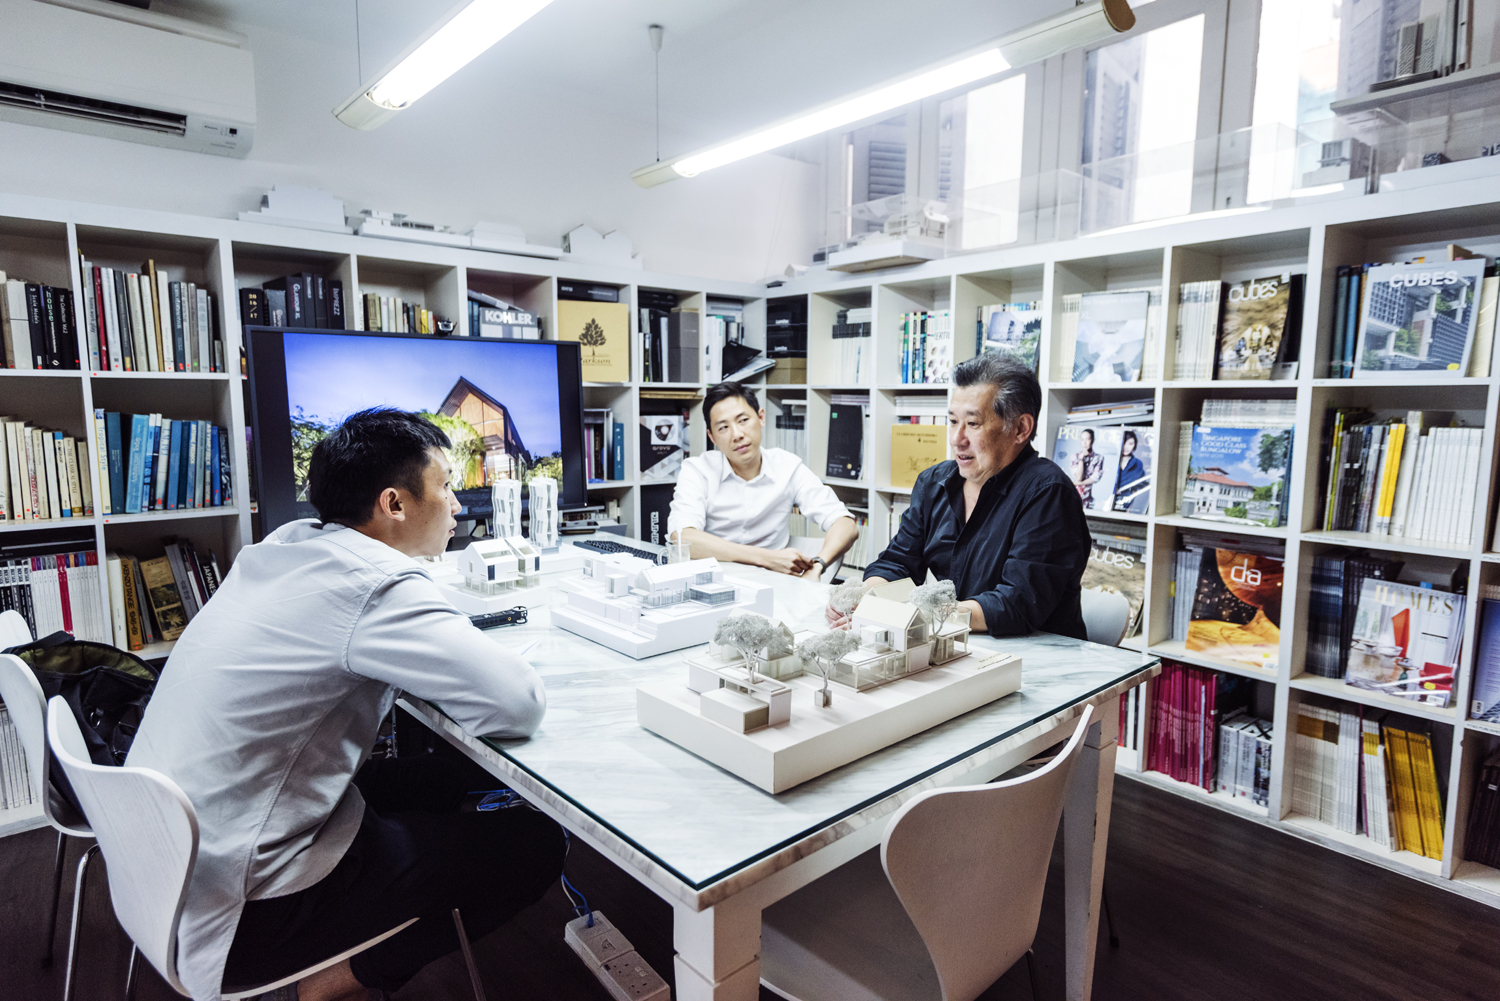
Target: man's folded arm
(1040, 572)
(410, 636)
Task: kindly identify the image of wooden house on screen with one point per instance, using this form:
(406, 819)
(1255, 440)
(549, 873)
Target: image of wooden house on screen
(504, 454)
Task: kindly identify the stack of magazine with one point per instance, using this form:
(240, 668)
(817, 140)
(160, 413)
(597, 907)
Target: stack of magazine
(1232, 464)
(1108, 450)
(1013, 328)
(1108, 338)
(1227, 597)
(1246, 330)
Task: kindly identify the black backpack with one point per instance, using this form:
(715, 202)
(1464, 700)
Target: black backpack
(107, 689)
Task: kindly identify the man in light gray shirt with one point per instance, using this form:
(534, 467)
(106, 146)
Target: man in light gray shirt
(270, 704)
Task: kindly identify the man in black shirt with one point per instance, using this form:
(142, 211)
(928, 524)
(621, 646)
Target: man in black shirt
(1001, 522)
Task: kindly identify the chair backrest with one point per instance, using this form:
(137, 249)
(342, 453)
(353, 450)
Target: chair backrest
(808, 546)
(1105, 615)
(13, 629)
(148, 833)
(969, 864)
(23, 696)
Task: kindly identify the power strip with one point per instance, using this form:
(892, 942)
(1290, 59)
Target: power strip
(614, 960)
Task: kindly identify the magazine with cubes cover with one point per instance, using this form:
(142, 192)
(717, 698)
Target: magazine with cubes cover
(1117, 564)
(1261, 320)
(1406, 641)
(1419, 318)
(1238, 475)
(1237, 608)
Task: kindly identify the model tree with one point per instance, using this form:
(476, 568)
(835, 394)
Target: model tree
(824, 651)
(749, 634)
(845, 598)
(936, 601)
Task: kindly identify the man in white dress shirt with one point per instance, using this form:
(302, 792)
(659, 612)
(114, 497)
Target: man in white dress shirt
(270, 704)
(732, 503)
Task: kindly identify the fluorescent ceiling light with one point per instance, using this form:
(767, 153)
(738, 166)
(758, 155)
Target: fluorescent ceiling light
(467, 31)
(1077, 26)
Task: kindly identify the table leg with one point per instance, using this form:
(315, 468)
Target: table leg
(1085, 838)
(718, 952)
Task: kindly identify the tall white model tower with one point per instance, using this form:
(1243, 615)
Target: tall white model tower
(544, 519)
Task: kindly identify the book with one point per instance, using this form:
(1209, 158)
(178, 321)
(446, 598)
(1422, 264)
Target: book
(661, 445)
(1419, 317)
(1485, 701)
(1186, 706)
(602, 330)
(1110, 466)
(1236, 608)
(1238, 475)
(846, 437)
(166, 602)
(1111, 337)
(1013, 329)
(1257, 329)
(1482, 840)
(1406, 641)
(914, 447)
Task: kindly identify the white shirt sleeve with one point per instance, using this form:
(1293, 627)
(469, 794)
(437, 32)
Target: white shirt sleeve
(409, 636)
(689, 500)
(816, 499)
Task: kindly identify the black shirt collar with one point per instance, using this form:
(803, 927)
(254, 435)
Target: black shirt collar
(994, 488)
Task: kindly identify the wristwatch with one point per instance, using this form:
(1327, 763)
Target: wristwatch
(819, 561)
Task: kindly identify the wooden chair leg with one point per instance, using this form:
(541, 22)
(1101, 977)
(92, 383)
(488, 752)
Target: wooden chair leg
(78, 889)
(463, 943)
(1031, 972)
(57, 874)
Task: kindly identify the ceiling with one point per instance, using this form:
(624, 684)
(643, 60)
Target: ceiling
(726, 65)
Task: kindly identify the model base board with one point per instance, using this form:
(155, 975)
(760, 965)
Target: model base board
(472, 603)
(817, 740)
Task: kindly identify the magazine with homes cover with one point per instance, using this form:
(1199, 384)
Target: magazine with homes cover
(1419, 318)
(1237, 608)
(1406, 641)
(1117, 565)
(1238, 475)
(1111, 337)
(1255, 326)
(1013, 329)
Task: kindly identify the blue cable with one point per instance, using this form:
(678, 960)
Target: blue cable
(570, 889)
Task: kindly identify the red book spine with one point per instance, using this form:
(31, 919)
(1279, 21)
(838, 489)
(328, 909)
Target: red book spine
(61, 562)
(99, 310)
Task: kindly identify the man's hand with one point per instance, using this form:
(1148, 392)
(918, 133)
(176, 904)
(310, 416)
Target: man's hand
(787, 561)
(835, 620)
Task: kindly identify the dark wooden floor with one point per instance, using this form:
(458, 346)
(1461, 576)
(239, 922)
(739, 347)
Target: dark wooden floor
(1207, 905)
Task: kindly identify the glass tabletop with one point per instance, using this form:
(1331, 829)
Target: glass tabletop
(702, 823)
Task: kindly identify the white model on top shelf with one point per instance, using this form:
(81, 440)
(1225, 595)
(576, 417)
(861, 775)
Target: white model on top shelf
(544, 520)
(734, 713)
(642, 609)
(505, 499)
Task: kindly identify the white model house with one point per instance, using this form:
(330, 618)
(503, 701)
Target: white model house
(544, 518)
(505, 498)
(495, 565)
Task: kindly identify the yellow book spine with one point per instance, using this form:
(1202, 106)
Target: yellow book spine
(1392, 467)
(1408, 827)
(1429, 800)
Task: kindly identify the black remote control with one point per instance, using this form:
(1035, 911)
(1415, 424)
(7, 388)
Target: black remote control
(509, 617)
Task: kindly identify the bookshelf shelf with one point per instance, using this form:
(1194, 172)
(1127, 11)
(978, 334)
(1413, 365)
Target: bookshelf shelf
(1388, 543)
(1477, 876)
(163, 376)
(838, 481)
(1398, 860)
(1137, 519)
(21, 819)
(178, 515)
(50, 523)
(1221, 800)
(1484, 726)
(1336, 689)
(1219, 527)
(1178, 651)
(1407, 380)
(155, 651)
(11, 373)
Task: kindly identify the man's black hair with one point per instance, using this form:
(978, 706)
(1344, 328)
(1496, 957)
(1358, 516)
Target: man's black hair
(373, 449)
(1017, 391)
(727, 391)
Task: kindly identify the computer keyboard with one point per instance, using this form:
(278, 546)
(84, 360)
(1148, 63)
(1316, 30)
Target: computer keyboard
(614, 549)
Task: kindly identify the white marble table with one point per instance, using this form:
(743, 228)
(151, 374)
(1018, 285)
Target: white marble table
(720, 850)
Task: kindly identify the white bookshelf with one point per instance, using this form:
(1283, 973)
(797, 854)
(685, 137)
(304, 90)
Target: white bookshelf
(1312, 239)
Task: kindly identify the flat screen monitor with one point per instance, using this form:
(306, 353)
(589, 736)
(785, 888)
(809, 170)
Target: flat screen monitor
(512, 408)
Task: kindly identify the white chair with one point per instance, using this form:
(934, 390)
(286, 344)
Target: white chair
(28, 709)
(809, 546)
(1105, 615)
(148, 832)
(957, 904)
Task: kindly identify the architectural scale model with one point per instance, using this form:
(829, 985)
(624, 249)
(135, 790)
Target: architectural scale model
(741, 710)
(642, 609)
(544, 532)
(505, 499)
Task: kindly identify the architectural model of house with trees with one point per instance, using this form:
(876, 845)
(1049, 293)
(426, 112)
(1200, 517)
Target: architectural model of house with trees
(642, 609)
(742, 708)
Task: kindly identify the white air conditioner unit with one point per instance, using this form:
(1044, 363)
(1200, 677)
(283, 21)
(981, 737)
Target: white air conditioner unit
(107, 69)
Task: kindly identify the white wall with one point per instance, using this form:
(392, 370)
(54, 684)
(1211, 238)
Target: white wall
(451, 159)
